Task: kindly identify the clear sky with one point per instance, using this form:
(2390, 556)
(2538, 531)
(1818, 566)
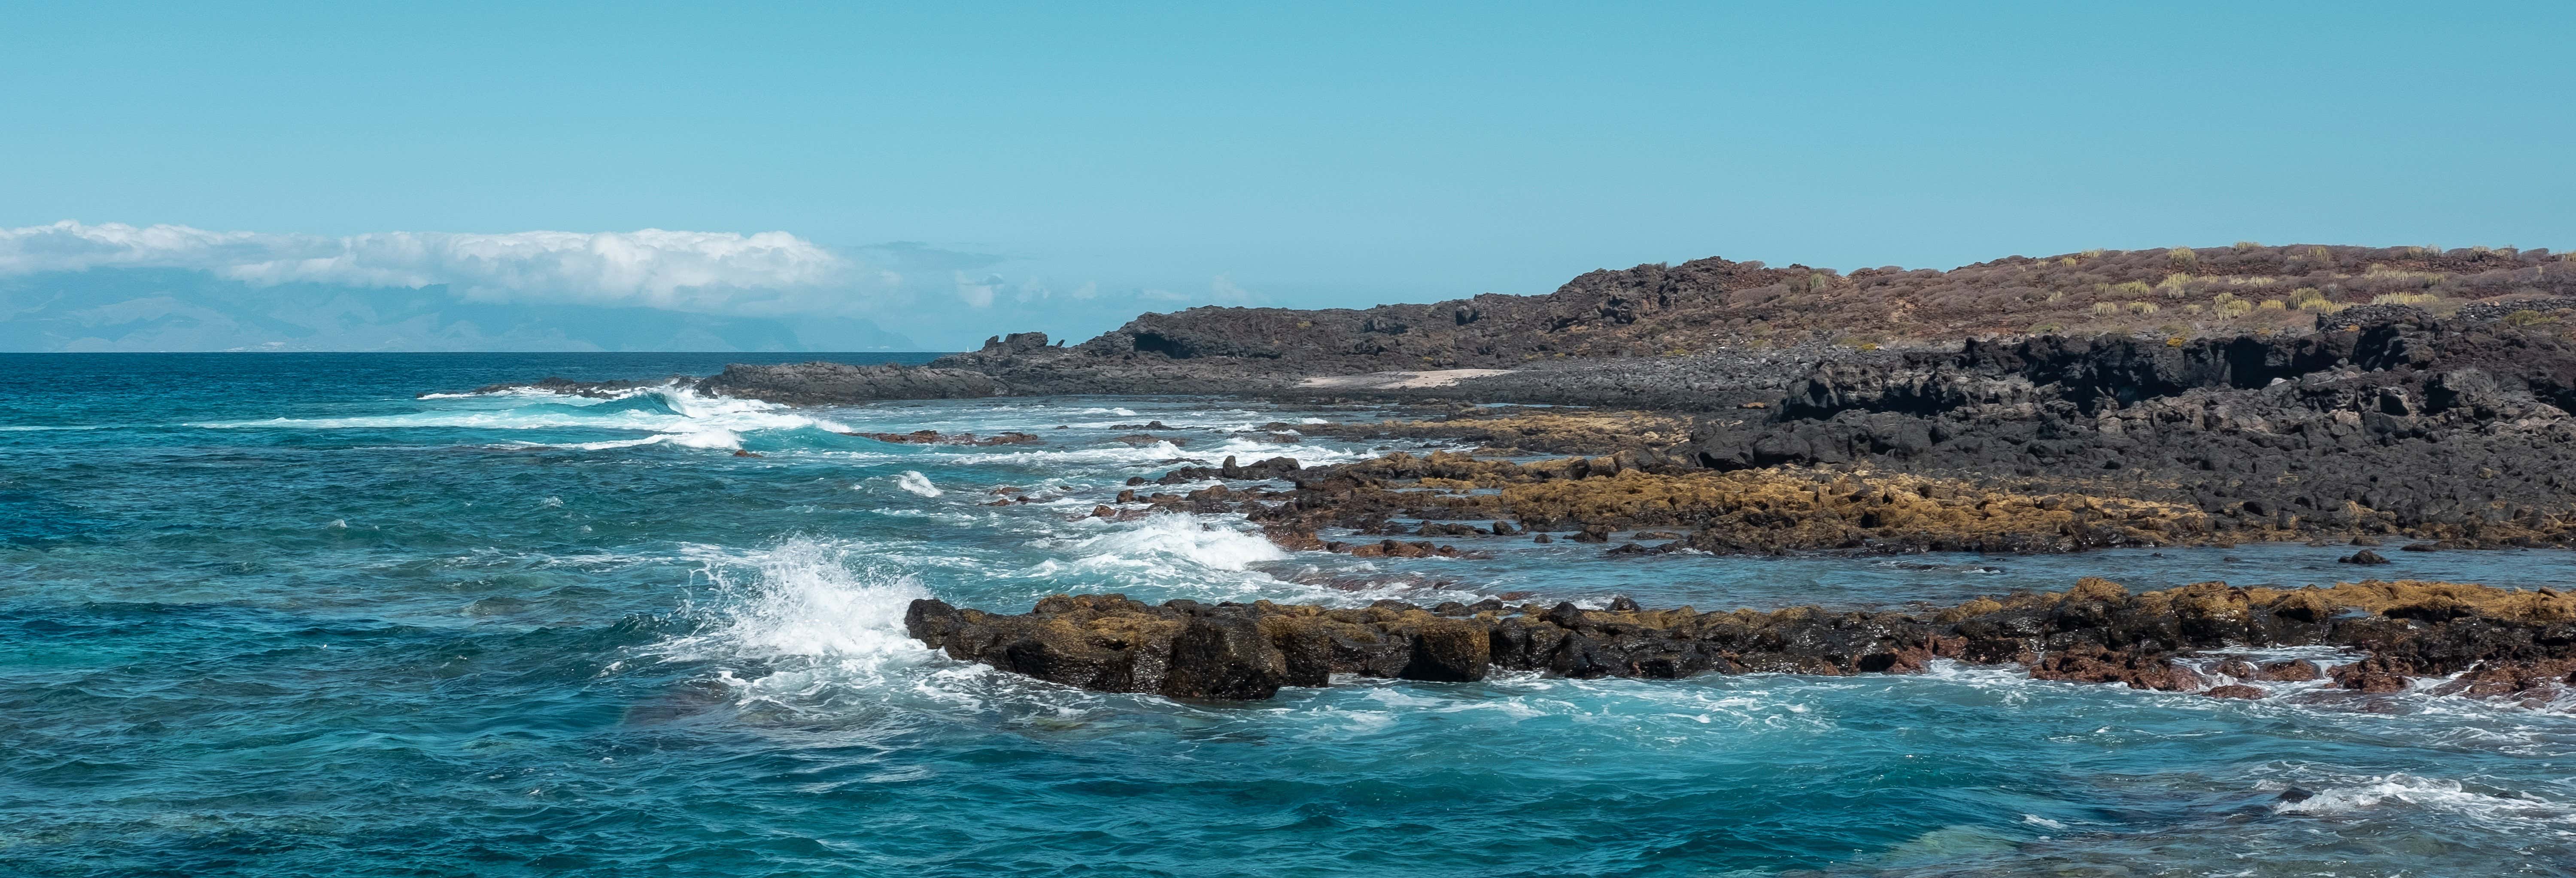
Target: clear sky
(982, 168)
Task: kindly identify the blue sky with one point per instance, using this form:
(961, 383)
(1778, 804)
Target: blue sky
(994, 167)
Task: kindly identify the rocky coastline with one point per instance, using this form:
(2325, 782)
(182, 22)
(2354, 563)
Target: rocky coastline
(2391, 398)
(2502, 644)
(2382, 422)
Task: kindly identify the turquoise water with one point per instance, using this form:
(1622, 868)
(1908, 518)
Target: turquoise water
(274, 615)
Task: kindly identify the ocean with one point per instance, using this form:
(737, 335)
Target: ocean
(280, 614)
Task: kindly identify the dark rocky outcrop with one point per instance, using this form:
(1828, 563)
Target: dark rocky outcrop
(1273, 468)
(2508, 643)
(2384, 420)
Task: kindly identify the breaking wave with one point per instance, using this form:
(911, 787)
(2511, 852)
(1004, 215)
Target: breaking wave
(804, 600)
(674, 415)
(914, 483)
(1168, 540)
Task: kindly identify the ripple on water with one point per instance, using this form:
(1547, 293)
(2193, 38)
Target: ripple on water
(554, 636)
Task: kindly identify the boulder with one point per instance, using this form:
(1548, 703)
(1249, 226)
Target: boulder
(1224, 657)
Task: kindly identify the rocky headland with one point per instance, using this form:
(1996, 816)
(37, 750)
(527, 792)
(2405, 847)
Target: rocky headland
(1702, 336)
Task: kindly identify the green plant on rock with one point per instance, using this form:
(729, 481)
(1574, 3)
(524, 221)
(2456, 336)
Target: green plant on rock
(2174, 285)
(2310, 299)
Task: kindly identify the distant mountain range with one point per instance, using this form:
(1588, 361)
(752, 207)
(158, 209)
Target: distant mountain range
(167, 309)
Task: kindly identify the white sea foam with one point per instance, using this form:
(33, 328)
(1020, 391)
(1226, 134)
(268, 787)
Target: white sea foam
(805, 599)
(511, 391)
(1162, 540)
(913, 482)
(677, 416)
(2432, 794)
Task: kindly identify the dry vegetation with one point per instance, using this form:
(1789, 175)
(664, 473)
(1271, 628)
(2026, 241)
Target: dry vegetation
(1709, 304)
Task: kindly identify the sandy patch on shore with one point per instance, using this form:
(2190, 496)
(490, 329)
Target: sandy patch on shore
(1398, 380)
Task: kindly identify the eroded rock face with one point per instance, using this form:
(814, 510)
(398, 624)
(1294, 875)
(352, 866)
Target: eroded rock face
(2385, 420)
(2512, 643)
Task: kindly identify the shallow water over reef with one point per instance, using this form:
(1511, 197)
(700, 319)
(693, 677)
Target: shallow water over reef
(272, 614)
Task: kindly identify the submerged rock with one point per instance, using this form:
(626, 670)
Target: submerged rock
(2513, 643)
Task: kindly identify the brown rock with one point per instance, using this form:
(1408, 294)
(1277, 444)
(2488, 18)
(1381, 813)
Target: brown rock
(2292, 671)
(1224, 657)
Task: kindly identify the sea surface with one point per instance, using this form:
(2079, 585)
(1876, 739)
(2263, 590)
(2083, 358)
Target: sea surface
(280, 614)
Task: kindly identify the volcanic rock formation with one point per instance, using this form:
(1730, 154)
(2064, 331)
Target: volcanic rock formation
(2384, 420)
(2505, 643)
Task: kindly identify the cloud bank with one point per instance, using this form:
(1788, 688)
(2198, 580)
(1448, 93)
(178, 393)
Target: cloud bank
(713, 272)
(77, 286)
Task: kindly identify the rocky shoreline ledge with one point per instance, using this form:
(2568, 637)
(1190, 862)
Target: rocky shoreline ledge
(2382, 422)
(2502, 644)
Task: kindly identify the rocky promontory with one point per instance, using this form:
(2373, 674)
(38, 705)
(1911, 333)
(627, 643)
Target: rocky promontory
(1706, 335)
(2501, 643)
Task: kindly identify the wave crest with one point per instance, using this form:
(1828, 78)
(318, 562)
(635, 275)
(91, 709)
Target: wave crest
(804, 599)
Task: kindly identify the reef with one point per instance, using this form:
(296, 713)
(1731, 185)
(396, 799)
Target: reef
(2493, 643)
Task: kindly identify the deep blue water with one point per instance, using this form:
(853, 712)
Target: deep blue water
(272, 614)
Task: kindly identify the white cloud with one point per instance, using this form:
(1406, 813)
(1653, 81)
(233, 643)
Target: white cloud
(1223, 291)
(768, 272)
(977, 294)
